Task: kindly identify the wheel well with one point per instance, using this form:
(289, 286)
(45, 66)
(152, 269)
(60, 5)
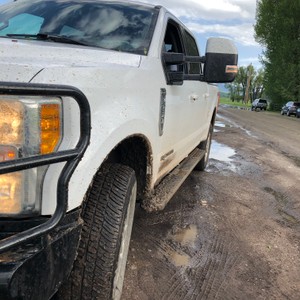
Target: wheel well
(213, 117)
(135, 152)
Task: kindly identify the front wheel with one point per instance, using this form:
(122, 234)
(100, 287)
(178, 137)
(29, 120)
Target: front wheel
(206, 147)
(98, 272)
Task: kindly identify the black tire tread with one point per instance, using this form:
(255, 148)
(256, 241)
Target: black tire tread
(103, 216)
(202, 163)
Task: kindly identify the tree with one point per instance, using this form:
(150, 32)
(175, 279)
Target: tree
(277, 28)
(257, 87)
(247, 75)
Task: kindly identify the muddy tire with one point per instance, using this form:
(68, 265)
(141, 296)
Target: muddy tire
(98, 272)
(205, 146)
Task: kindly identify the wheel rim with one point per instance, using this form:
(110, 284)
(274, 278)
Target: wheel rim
(124, 248)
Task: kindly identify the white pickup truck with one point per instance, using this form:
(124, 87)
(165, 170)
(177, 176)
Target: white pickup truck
(103, 104)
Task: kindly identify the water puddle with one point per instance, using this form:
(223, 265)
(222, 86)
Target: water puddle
(221, 158)
(221, 152)
(187, 236)
(221, 124)
(232, 124)
(180, 260)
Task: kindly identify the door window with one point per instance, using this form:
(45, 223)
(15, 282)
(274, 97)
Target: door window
(172, 43)
(191, 50)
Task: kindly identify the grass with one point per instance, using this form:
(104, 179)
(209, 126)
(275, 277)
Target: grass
(224, 100)
(238, 104)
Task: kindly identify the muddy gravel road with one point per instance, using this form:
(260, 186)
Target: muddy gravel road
(233, 231)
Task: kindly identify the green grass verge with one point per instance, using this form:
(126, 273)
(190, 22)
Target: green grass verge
(229, 102)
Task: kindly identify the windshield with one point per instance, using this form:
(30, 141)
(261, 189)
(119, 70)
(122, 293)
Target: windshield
(106, 24)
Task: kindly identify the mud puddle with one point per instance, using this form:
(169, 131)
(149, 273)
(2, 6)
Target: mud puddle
(185, 237)
(231, 124)
(222, 158)
(219, 125)
(221, 152)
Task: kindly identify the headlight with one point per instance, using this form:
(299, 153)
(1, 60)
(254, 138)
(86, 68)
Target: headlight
(28, 126)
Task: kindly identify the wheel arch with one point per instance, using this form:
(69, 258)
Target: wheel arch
(213, 118)
(136, 153)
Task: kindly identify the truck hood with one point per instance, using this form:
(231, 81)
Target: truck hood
(21, 60)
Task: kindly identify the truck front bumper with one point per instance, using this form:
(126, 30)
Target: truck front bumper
(36, 255)
(35, 270)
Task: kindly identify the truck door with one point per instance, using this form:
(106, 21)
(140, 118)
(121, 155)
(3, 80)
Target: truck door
(185, 119)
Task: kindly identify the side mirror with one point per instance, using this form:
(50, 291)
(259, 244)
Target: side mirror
(173, 63)
(221, 60)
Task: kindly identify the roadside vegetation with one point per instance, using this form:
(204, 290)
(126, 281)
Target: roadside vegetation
(242, 105)
(228, 101)
(277, 30)
(247, 86)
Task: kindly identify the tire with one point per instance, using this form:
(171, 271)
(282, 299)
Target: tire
(205, 146)
(288, 113)
(99, 269)
(282, 112)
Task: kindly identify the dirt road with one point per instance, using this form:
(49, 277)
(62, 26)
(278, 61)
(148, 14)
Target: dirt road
(233, 231)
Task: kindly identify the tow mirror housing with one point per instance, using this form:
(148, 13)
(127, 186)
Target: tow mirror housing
(173, 63)
(221, 60)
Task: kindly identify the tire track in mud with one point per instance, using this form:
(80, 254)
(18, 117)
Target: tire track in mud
(208, 261)
(205, 274)
(287, 209)
(209, 267)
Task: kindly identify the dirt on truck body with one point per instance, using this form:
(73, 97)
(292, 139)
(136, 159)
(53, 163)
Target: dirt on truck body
(231, 232)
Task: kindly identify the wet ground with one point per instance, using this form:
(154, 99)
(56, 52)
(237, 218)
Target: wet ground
(231, 232)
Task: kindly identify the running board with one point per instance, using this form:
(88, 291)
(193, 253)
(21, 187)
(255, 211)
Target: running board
(170, 184)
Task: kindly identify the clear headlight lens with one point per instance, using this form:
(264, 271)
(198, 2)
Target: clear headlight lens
(28, 126)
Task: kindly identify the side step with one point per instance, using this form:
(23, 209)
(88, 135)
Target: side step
(171, 183)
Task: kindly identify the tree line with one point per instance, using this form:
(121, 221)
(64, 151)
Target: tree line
(248, 85)
(277, 29)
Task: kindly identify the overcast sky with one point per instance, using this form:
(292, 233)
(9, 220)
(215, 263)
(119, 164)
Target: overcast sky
(233, 19)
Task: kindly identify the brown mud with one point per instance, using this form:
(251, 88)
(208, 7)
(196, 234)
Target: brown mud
(233, 231)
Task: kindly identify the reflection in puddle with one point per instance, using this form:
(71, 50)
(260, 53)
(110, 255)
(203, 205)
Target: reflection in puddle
(221, 152)
(233, 124)
(219, 124)
(187, 236)
(180, 260)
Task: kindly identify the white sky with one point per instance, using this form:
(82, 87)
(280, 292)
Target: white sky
(233, 19)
